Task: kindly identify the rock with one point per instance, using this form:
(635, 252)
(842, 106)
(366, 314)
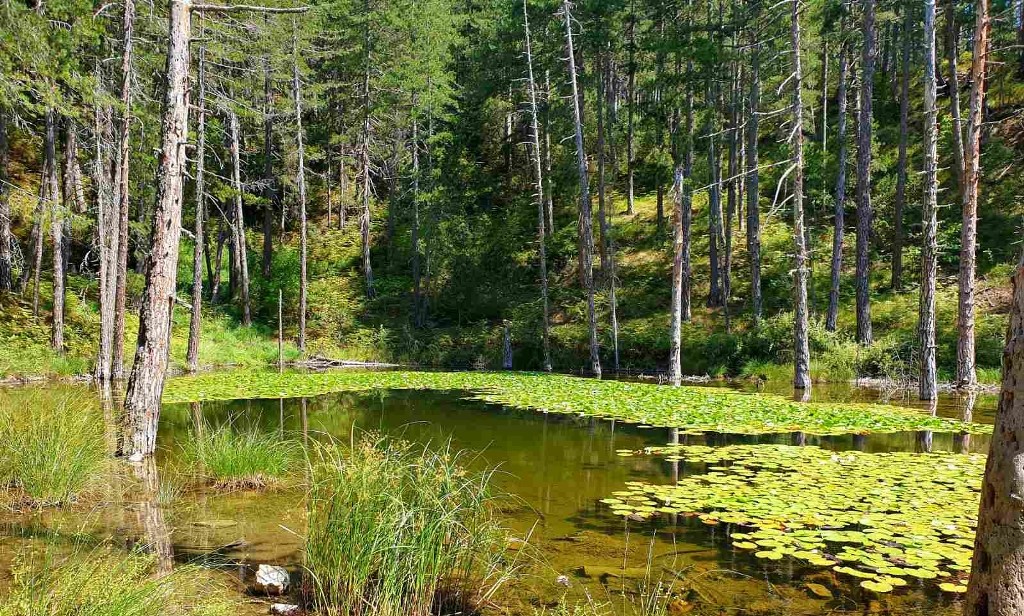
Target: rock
(215, 523)
(272, 580)
(818, 590)
(284, 609)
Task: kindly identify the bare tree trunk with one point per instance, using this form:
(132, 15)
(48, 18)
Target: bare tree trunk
(6, 269)
(37, 236)
(195, 321)
(731, 194)
(966, 373)
(549, 192)
(675, 330)
(927, 386)
(901, 165)
(106, 231)
(714, 206)
(753, 190)
(840, 192)
(268, 167)
(585, 218)
(996, 586)
(56, 230)
(146, 383)
(539, 188)
(218, 262)
(864, 215)
(241, 250)
(417, 275)
(631, 94)
(300, 180)
(364, 164)
(952, 55)
(121, 179)
(801, 351)
(687, 205)
(602, 218)
(613, 282)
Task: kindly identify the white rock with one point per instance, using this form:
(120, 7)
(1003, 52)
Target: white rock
(136, 458)
(272, 579)
(284, 609)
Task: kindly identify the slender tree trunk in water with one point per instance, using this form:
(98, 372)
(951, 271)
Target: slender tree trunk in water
(549, 192)
(585, 218)
(145, 386)
(901, 165)
(6, 269)
(631, 94)
(300, 181)
(966, 374)
(539, 196)
(996, 586)
(56, 230)
(268, 167)
(107, 237)
(602, 217)
(927, 386)
(192, 356)
(241, 252)
(801, 351)
(952, 55)
(675, 332)
(864, 215)
(840, 192)
(753, 190)
(121, 176)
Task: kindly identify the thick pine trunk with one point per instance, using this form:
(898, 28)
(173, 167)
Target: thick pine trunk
(241, 248)
(801, 351)
(539, 196)
(839, 223)
(145, 386)
(6, 269)
(121, 176)
(864, 214)
(901, 164)
(195, 321)
(56, 230)
(586, 232)
(927, 386)
(300, 181)
(966, 373)
(753, 195)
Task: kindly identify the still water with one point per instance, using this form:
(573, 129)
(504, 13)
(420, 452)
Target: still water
(554, 469)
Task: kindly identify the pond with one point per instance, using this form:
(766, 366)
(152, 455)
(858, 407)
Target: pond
(560, 472)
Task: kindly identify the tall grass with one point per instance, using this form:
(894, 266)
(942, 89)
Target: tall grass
(51, 451)
(399, 530)
(102, 582)
(241, 459)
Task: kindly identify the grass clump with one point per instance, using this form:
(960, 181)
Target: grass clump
(103, 582)
(50, 451)
(233, 459)
(398, 530)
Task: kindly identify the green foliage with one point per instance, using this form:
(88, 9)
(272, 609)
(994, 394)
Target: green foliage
(395, 529)
(232, 459)
(50, 452)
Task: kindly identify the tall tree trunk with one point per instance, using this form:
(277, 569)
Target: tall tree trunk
(585, 218)
(241, 250)
(952, 45)
(731, 186)
(602, 217)
(840, 191)
(996, 586)
(106, 231)
(901, 165)
(714, 206)
(300, 181)
(37, 235)
(966, 374)
(417, 275)
(364, 164)
(864, 215)
(121, 179)
(268, 167)
(687, 205)
(146, 383)
(630, 112)
(56, 230)
(195, 321)
(801, 351)
(753, 190)
(549, 191)
(6, 268)
(539, 196)
(218, 263)
(609, 92)
(927, 386)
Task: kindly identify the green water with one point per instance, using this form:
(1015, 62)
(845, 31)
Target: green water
(553, 467)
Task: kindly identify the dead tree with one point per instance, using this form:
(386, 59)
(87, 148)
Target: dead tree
(832, 316)
(927, 386)
(864, 214)
(122, 200)
(300, 180)
(195, 321)
(801, 352)
(241, 251)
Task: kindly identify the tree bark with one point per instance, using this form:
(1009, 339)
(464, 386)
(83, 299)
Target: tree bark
(121, 179)
(417, 274)
(364, 164)
(300, 181)
(585, 217)
(37, 235)
(539, 196)
(146, 383)
(268, 168)
(996, 586)
(927, 382)
(56, 229)
(864, 214)
(195, 321)
(901, 164)
(801, 351)
(966, 373)
(631, 94)
(549, 192)
(602, 217)
(108, 238)
(687, 205)
(613, 281)
(241, 250)
(957, 129)
(675, 330)
(753, 194)
(6, 266)
(832, 317)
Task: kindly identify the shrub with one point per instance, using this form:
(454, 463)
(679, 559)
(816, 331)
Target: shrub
(395, 530)
(50, 451)
(231, 459)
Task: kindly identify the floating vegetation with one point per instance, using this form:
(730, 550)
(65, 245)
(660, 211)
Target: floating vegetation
(882, 519)
(693, 409)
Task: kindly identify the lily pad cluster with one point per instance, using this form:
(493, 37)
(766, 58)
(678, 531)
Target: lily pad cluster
(879, 519)
(710, 409)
